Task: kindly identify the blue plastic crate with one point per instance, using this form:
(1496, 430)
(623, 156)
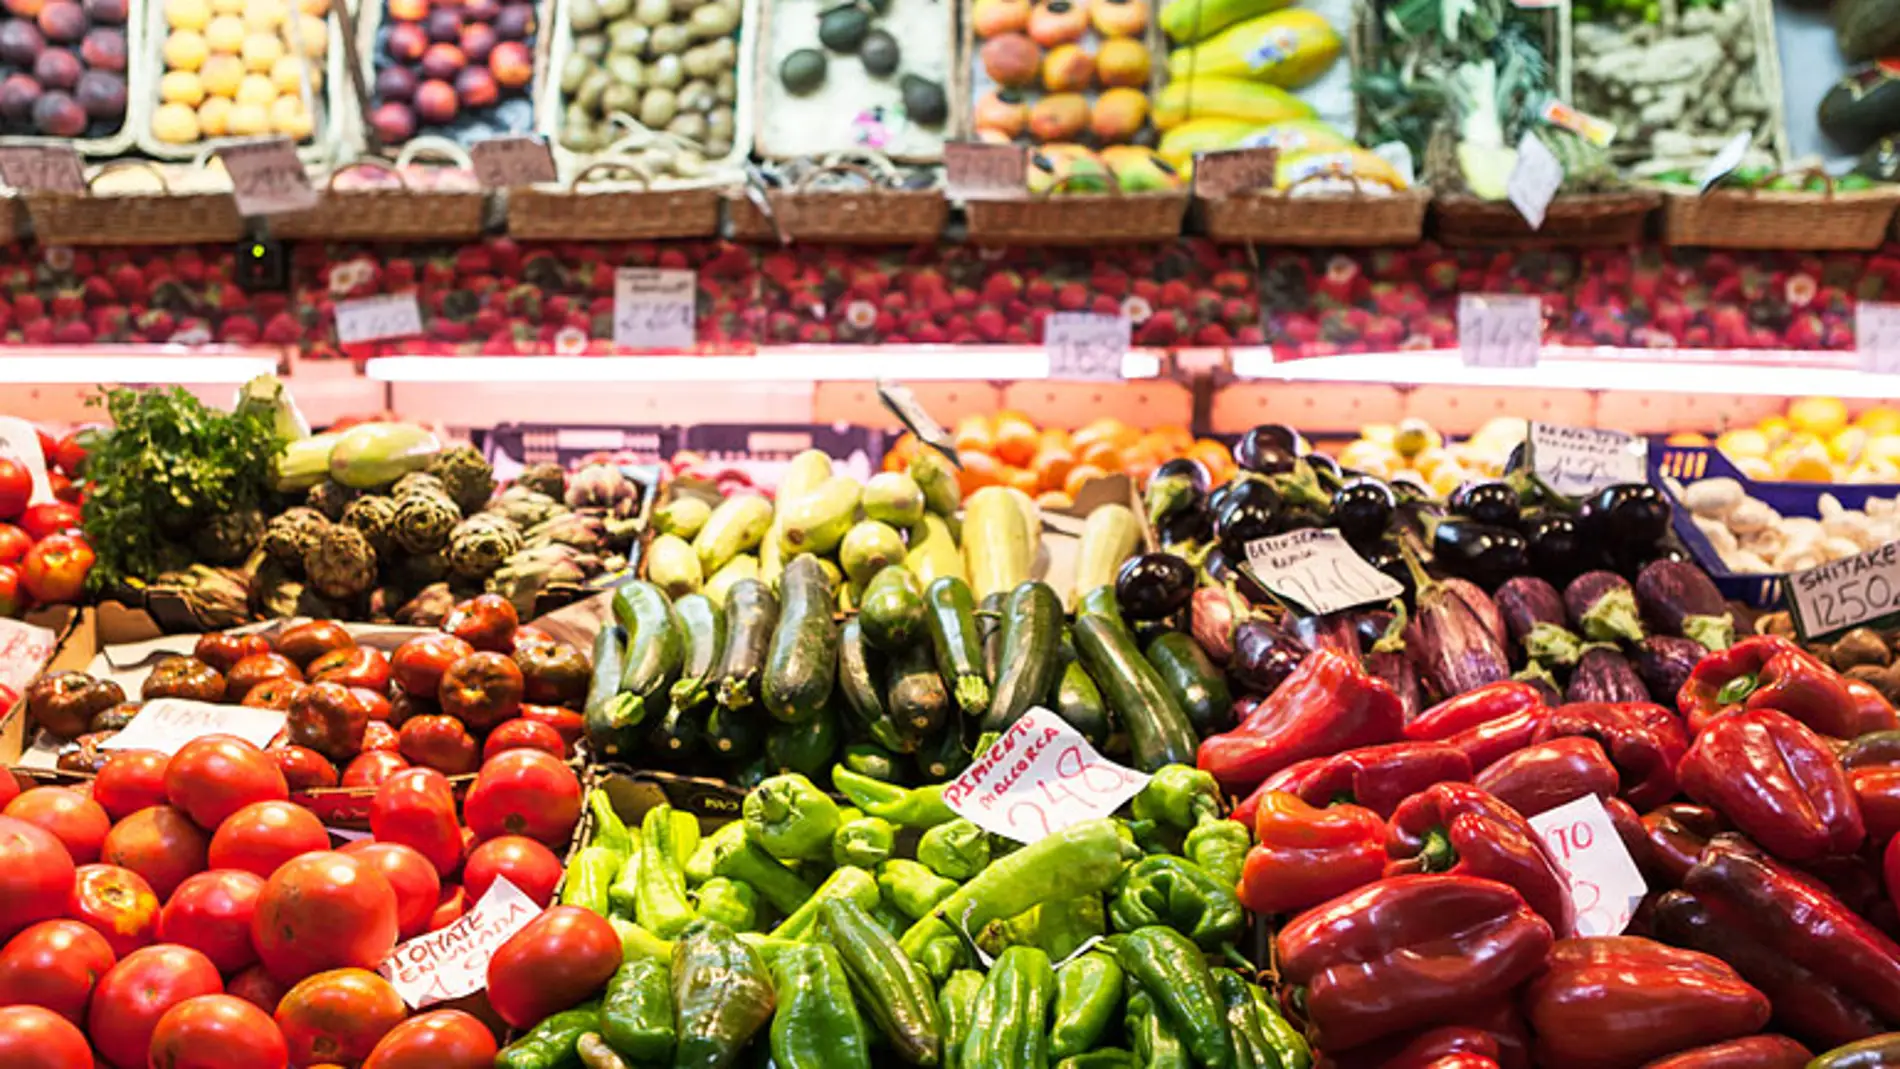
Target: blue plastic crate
(514, 446)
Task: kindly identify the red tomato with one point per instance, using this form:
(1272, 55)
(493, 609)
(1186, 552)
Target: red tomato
(378, 735)
(256, 670)
(13, 544)
(34, 1038)
(524, 734)
(64, 489)
(303, 768)
(13, 596)
(136, 993)
(363, 666)
(372, 767)
(211, 913)
(560, 958)
(418, 664)
(16, 487)
(223, 652)
(55, 568)
(212, 777)
(482, 690)
(569, 724)
(129, 781)
(273, 694)
(54, 964)
(416, 807)
(47, 519)
(70, 453)
(524, 792)
(415, 881)
(531, 867)
(449, 907)
(486, 622)
(440, 1039)
(217, 1032)
(338, 1016)
(9, 786)
(36, 875)
(264, 835)
(327, 718)
(439, 742)
(117, 903)
(306, 642)
(324, 911)
(159, 843)
(373, 703)
(256, 986)
(75, 820)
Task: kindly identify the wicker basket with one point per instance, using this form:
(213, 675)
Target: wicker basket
(391, 214)
(12, 217)
(623, 211)
(1589, 219)
(1113, 218)
(1769, 219)
(1280, 217)
(873, 215)
(160, 218)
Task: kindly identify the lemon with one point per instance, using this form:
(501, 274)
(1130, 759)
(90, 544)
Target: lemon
(263, 14)
(1744, 442)
(1882, 449)
(1818, 415)
(222, 74)
(214, 116)
(261, 51)
(1446, 479)
(1775, 428)
(227, 7)
(1879, 420)
(1379, 433)
(185, 50)
(1806, 463)
(187, 14)
(1414, 436)
(181, 87)
(287, 75)
(175, 124)
(248, 120)
(1695, 438)
(256, 89)
(225, 34)
(313, 36)
(1847, 444)
(287, 117)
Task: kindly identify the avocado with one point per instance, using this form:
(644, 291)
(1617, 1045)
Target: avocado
(803, 71)
(843, 28)
(879, 54)
(1864, 106)
(924, 102)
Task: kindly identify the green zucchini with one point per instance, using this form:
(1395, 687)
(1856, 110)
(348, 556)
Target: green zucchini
(751, 615)
(734, 735)
(918, 703)
(601, 715)
(805, 747)
(1079, 701)
(893, 610)
(943, 755)
(803, 663)
(655, 645)
(1198, 686)
(860, 675)
(1031, 632)
(678, 735)
(703, 627)
(1158, 731)
(989, 625)
(957, 644)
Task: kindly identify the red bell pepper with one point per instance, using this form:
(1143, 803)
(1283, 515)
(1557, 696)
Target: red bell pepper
(1457, 828)
(1877, 792)
(1545, 776)
(1289, 779)
(1306, 856)
(1617, 1001)
(1677, 833)
(1427, 1050)
(1876, 713)
(1494, 740)
(1754, 1052)
(1327, 705)
(1890, 868)
(1410, 952)
(1380, 777)
(1643, 740)
(1770, 672)
(1776, 780)
(1461, 713)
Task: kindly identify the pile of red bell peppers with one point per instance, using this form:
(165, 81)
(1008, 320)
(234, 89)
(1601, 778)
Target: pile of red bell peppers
(1424, 924)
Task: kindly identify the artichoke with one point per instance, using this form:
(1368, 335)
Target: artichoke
(469, 478)
(342, 565)
(481, 544)
(289, 536)
(229, 537)
(373, 515)
(276, 594)
(418, 482)
(331, 498)
(601, 486)
(419, 570)
(428, 608)
(522, 577)
(525, 507)
(546, 479)
(424, 521)
(573, 529)
(217, 598)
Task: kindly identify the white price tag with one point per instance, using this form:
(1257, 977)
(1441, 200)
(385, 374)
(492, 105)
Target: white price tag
(267, 177)
(1318, 570)
(904, 405)
(1086, 347)
(982, 171)
(452, 963)
(1845, 593)
(21, 441)
(512, 160)
(1726, 160)
(1605, 886)
(42, 168)
(655, 308)
(24, 650)
(1535, 180)
(166, 724)
(394, 315)
(1578, 461)
(1040, 777)
(1496, 330)
(1877, 336)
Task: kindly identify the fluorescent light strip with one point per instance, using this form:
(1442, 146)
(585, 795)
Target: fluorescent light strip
(908, 363)
(50, 370)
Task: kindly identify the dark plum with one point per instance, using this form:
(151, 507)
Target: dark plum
(444, 25)
(515, 22)
(20, 43)
(57, 114)
(63, 21)
(104, 49)
(102, 94)
(18, 94)
(395, 83)
(57, 69)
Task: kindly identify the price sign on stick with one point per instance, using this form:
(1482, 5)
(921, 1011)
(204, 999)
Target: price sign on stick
(1725, 161)
(514, 160)
(267, 177)
(1605, 885)
(981, 171)
(453, 962)
(1319, 571)
(1845, 593)
(42, 168)
(1582, 460)
(1086, 347)
(367, 319)
(1498, 330)
(655, 308)
(910, 412)
(1877, 336)
(1038, 778)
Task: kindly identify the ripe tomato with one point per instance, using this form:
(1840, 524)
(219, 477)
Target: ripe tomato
(440, 1039)
(524, 734)
(524, 792)
(13, 596)
(13, 543)
(567, 723)
(45, 520)
(303, 768)
(136, 993)
(159, 843)
(264, 835)
(416, 807)
(9, 787)
(217, 1032)
(54, 964)
(486, 622)
(363, 666)
(449, 907)
(55, 568)
(482, 690)
(129, 781)
(531, 867)
(222, 651)
(306, 642)
(257, 986)
(374, 704)
(255, 671)
(327, 718)
(211, 913)
(378, 735)
(34, 1038)
(418, 664)
(560, 958)
(117, 903)
(415, 881)
(324, 911)
(16, 488)
(212, 777)
(77, 821)
(338, 1016)
(36, 875)
(273, 694)
(439, 742)
(70, 454)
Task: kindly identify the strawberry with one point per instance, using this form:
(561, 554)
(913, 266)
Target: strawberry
(963, 299)
(68, 304)
(779, 267)
(282, 329)
(1697, 337)
(1113, 283)
(1805, 330)
(781, 326)
(1233, 283)
(445, 329)
(397, 276)
(1017, 334)
(76, 332)
(1213, 334)
(438, 272)
(111, 324)
(37, 331)
(1040, 292)
(673, 258)
(990, 325)
(28, 306)
(869, 285)
(1162, 328)
(473, 260)
(1001, 287)
(189, 264)
(1105, 305)
(814, 334)
(1072, 297)
(238, 330)
(127, 281)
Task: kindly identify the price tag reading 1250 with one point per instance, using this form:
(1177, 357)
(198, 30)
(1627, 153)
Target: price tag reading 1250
(655, 308)
(1318, 570)
(1845, 593)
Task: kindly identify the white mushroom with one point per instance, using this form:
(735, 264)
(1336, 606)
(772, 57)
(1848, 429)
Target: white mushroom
(1750, 515)
(1717, 532)
(1836, 548)
(1713, 497)
(1744, 562)
(1796, 558)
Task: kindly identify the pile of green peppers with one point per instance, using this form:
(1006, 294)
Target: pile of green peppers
(888, 931)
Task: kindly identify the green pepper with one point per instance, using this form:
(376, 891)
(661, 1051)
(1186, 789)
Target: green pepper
(864, 842)
(637, 942)
(589, 875)
(699, 864)
(722, 996)
(1105, 1058)
(738, 858)
(1219, 846)
(956, 851)
(609, 830)
(1156, 1044)
(912, 889)
(729, 902)
(550, 1044)
(660, 903)
(1173, 892)
(849, 882)
(1169, 967)
(1179, 796)
(956, 1004)
(1088, 991)
(636, 1014)
(920, 807)
(817, 1023)
(684, 829)
(596, 1053)
(1058, 928)
(624, 893)
(1287, 1041)
(792, 819)
(1252, 1049)
(1009, 1028)
(886, 982)
(870, 759)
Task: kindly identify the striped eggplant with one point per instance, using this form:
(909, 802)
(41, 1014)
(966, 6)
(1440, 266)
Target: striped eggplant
(1680, 599)
(1453, 646)
(1605, 675)
(1487, 610)
(1664, 662)
(1534, 619)
(1602, 608)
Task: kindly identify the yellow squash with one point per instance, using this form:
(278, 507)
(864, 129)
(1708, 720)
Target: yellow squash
(1286, 48)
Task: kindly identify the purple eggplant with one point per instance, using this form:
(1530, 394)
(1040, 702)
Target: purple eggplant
(1605, 675)
(1602, 608)
(1211, 614)
(1679, 599)
(1664, 663)
(1480, 603)
(1452, 645)
(1534, 618)
(1153, 586)
(1538, 676)
(1383, 635)
(1264, 655)
(1334, 631)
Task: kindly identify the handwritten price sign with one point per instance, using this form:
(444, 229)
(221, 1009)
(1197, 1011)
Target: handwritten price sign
(369, 319)
(166, 724)
(267, 177)
(977, 170)
(1040, 777)
(453, 962)
(1086, 347)
(655, 308)
(1845, 593)
(1318, 570)
(514, 160)
(1604, 883)
(24, 650)
(1582, 460)
(1877, 336)
(42, 168)
(1496, 330)
(909, 411)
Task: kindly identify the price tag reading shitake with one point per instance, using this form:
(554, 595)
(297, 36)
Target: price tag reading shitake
(1877, 336)
(978, 170)
(1318, 570)
(1230, 172)
(1846, 593)
(904, 405)
(513, 160)
(1496, 330)
(1085, 346)
(655, 308)
(267, 177)
(367, 319)
(42, 169)
(1579, 461)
